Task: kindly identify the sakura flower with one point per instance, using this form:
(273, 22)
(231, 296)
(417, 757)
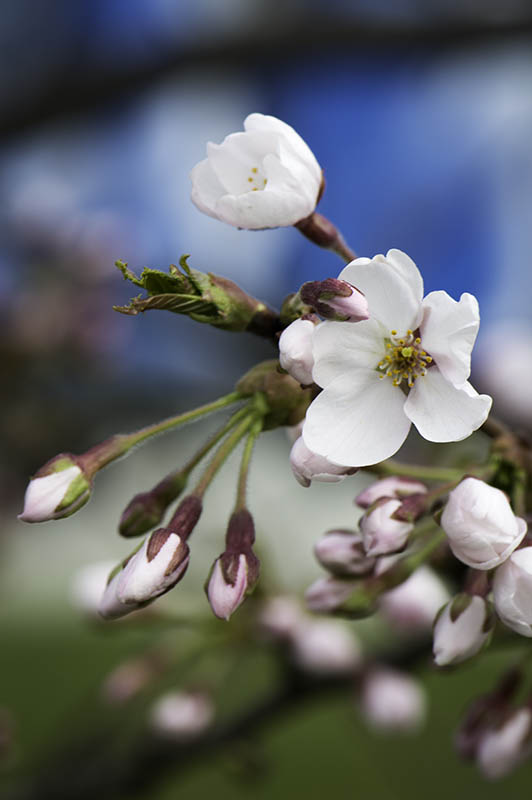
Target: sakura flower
(308, 466)
(409, 363)
(263, 177)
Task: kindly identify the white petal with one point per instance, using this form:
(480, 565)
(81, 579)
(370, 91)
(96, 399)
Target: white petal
(404, 265)
(239, 153)
(443, 413)
(448, 332)
(266, 209)
(263, 122)
(392, 294)
(206, 188)
(357, 420)
(339, 347)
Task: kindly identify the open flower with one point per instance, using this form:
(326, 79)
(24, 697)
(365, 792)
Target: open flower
(421, 347)
(263, 177)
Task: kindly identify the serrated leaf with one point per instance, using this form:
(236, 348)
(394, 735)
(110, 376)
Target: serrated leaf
(179, 304)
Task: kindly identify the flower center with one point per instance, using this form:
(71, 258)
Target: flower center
(257, 182)
(405, 360)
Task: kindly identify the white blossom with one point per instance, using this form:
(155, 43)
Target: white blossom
(502, 749)
(362, 416)
(295, 350)
(280, 617)
(460, 632)
(512, 591)
(308, 466)
(381, 533)
(263, 177)
(182, 715)
(392, 701)
(325, 647)
(412, 605)
(480, 525)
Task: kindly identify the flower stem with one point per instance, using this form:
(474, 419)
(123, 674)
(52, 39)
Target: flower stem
(116, 446)
(391, 467)
(244, 465)
(222, 454)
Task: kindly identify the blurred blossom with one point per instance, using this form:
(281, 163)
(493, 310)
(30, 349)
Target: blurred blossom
(182, 715)
(88, 584)
(413, 605)
(130, 678)
(326, 647)
(392, 701)
(501, 749)
(280, 617)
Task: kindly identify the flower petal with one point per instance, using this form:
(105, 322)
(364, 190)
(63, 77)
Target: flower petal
(442, 412)
(206, 188)
(263, 122)
(259, 210)
(339, 347)
(357, 420)
(404, 265)
(392, 294)
(448, 332)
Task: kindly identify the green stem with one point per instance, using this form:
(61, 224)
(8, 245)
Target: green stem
(117, 446)
(391, 467)
(222, 454)
(244, 465)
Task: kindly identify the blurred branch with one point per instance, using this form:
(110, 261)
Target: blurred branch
(77, 92)
(93, 768)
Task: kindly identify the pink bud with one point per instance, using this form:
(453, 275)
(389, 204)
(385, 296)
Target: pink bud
(225, 597)
(501, 749)
(381, 533)
(413, 605)
(326, 647)
(326, 594)
(462, 628)
(308, 466)
(342, 553)
(392, 701)
(335, 299)
(389, 487)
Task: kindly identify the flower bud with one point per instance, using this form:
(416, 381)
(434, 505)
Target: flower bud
(412, 605)
(182, 716)
(127, 680)
(342, 553)
(335, 299)
(308, 466)
(512, 591)
(159, 563)
(501, 749)
(327, 594)
(295, 350)
(392, 701)
(481, 528)
(461, 629)
(325, 647)
(57, 490)
(381, 533)
(393, 486)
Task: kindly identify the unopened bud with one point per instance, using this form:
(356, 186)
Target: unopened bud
(342, 553)
(286, 401)
(326, 647)
(159, 563)
(335, 299)
(280, 617)
(295, 350)
(461, 629)
(328, 594)
(393, 486)
(413, 605)
(57, 490)
(381, 532)
(308, 466)
(182, 716)
(512, 591)
(502, 748)
(392, 701)
(146, 509)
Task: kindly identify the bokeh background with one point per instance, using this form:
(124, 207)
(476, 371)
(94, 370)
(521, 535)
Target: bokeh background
(421, 115)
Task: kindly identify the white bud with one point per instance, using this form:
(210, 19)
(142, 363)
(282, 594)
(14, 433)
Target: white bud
(389, 487)
(326, 594)
(412, 605)
(502, 749)
(59, 493)
(151, 571)
(392, 701)
(326, 647)
(461, 629)
(225, 597)
(182, 716)
(380, 532)
(308, 466)
(295, 350)
(280, 617)
(343, 553)
(88, 584)
(512, 591)
(480, 525)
